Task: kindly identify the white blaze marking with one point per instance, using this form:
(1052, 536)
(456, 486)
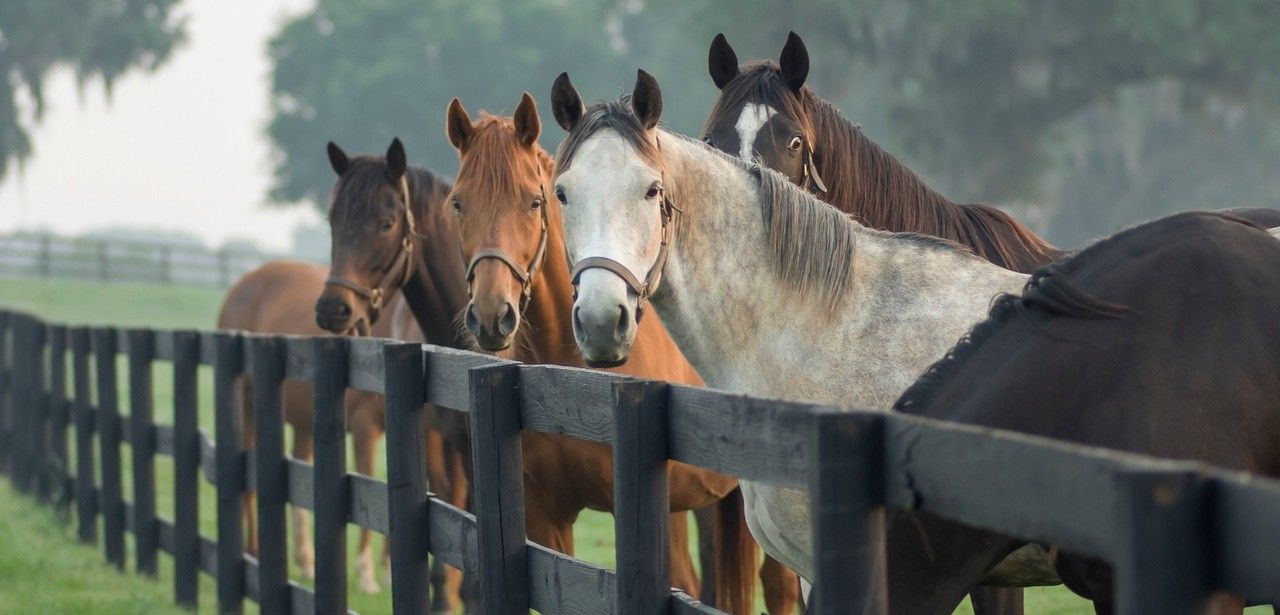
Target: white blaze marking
(753, 118)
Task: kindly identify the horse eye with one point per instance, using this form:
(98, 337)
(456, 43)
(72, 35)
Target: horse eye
(387, 224)
(653, 192)
(457, 205)
(795, 143)
(537, 202)
(560, 196)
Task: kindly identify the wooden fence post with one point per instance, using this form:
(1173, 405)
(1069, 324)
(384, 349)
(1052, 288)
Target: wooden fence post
(407, 494)
(104, 270)
(498, 489)
(22, 403)
(39, 409)
(229, 435)
(108, 422)
(1163, 565)
(330, 473)
(846, 495)
(272, 474)
(641, 497)
(142, 439)
(6, 390)
(186, 468)
(86, 476)
(57, 468)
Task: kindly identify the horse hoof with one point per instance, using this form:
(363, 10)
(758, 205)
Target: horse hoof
(369, 585)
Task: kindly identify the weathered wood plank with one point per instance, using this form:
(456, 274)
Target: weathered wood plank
(299, 357)
(301, 487)
(164, 439)
(185, 447)
(272, 472)
(59, 464)
(453, 536)
(570, 401)
(641, 504)
(1162, 567)
(367, 504)
(407, 493)
(1247, 536)
(329, 477)
(208, 458)
(449, 384)
(684, 604)
(229, 448)
(86, 476)
(497, 489)
(365, 364)
(163, 345)
(6, 393)
(755, 439)
(143, 440)
(846, 494)
(562, 584)
(109, 436)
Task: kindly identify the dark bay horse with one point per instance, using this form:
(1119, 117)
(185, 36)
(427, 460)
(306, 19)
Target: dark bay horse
(1163, 342)
(509, 225)
(277, 298)
(766, 113)
(390, 235)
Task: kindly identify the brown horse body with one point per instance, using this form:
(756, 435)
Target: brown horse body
(277, 298)
(505, 212)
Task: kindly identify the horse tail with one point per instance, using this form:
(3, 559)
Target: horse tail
(736, 554)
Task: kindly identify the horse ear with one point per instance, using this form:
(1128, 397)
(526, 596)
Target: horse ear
(566, 105)
(722, 62)
(528, 124)
(646, 99)
(457, 124)
(338, 159)
(795, 62)
(397, 163)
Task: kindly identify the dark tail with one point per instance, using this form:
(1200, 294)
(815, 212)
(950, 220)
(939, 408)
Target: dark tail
(735, 557)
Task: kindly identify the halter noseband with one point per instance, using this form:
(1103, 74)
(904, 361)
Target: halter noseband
(526, 275)
(649, 286)
(401, 267)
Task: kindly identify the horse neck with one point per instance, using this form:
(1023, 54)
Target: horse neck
(437, 291)
(549, 337)
(909, 300)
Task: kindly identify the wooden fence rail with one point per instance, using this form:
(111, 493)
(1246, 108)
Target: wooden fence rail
(1173, 531)
(120, 260)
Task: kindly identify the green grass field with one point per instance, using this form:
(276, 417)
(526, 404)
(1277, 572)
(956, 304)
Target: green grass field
(44, 569)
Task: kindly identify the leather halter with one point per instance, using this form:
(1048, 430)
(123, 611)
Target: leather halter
(653, 278)
(809, 179)
(401, 267)
(526, 275)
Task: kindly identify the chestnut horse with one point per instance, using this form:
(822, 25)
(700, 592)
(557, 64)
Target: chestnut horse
(521, 295)
(390, 235)
(276, 298)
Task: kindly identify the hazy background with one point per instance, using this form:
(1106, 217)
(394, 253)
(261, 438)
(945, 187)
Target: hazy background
(205, 120)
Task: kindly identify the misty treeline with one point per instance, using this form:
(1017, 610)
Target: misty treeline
(1078, 115)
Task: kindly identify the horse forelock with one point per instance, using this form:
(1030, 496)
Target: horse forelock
(362, 186)
(608, 115)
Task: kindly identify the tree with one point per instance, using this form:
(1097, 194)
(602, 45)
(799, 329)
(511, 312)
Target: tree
(97, 40)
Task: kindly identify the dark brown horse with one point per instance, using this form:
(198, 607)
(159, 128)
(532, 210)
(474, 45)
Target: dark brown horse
(390, 235)
(765, 112)
(509, 224)
(1162, 341)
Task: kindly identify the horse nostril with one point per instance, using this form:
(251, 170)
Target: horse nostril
(577, 322)
(472, 321)
(624, 321)
(344, 310)
(507, 320)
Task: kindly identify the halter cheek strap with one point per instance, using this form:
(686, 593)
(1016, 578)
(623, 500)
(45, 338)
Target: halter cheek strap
(526, 275)
(643, 289)
(398, 273)
(809, 179)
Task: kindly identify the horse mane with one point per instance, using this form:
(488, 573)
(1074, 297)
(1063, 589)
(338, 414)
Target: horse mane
(877, 189)
(355, 192)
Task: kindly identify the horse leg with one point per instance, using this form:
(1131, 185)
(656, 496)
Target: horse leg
(438, 480)
(707, 520)
(683, 576)
(781, 587)
(365, 449)
(996, 600)
(304, 553)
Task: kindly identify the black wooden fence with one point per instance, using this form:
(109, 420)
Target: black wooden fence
(1174, 531)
